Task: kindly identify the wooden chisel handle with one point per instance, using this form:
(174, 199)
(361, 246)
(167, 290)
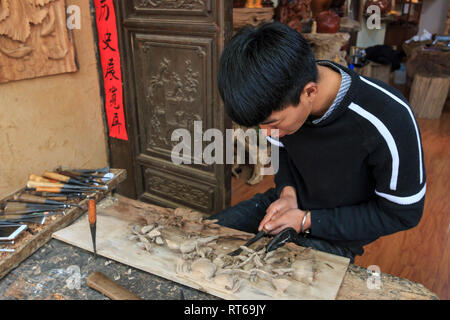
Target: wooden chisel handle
(30, 198)
(55, 176)
(35, 184)
(92, 212)
(98, 281)
(49, 189)
(36, 178)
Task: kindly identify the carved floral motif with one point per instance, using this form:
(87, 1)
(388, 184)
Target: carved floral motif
(34, 40)
(180, 191)
(173, 97)
(170, 4)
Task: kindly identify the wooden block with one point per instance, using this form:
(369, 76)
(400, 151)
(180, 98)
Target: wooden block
(381, 71)
(375, 70)
(98, 281)
(428, 95)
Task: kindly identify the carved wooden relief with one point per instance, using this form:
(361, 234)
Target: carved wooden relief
(170, 4)
(173, 89)
(34, 40)
(178, 9)
(199, 196)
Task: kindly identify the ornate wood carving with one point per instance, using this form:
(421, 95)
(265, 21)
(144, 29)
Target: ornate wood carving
(178, 190)
(170, 4)
(173, 91)
(173, 98)
(34, 40)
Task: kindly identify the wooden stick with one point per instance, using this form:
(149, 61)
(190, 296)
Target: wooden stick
(98, 281)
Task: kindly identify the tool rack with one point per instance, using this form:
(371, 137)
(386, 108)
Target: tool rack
(37, 235)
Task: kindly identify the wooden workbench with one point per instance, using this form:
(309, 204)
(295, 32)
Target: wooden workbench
(356, 282)
(45, 274)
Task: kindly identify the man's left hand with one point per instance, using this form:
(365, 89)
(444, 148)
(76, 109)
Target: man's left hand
(292, 218)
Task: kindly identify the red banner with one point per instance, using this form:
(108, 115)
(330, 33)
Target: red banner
(112, 76)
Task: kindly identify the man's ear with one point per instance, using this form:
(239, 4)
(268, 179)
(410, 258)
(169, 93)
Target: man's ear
(310, 91)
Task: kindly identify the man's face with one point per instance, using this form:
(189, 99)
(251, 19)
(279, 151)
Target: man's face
(288, 120)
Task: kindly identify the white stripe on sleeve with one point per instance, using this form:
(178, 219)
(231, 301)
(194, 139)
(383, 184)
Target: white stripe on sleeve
(397, 99)
(387, 137)
(404, 200)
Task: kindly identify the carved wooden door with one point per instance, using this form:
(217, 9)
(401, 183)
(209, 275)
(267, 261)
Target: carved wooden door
(170, 51)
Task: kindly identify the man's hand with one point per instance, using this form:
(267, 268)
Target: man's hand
(287, 201)
(291, 218)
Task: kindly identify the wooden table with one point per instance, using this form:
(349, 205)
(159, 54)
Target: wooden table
(47, 270)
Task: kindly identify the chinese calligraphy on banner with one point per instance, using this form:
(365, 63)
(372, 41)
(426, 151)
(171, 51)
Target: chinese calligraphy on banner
(110, 59)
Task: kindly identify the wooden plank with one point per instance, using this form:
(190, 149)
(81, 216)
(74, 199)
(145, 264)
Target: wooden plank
(31, 243)
(113, 243)
(98, 281)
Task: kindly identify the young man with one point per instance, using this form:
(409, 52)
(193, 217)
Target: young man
(351, 160)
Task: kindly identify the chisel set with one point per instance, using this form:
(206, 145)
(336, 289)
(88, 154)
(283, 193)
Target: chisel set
(52, 193)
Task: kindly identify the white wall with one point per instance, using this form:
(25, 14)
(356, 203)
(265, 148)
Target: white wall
(433, 16)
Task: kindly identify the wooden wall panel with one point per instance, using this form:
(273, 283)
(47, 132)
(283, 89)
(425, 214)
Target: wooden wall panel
(170, 54)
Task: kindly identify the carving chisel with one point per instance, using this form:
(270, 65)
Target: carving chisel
(35, 184)
(92, 217)
(67, 192)
(258, 236)
(29, 217)
(37, 178)
(35, 199)
(62, 178)
(12, 209)
(102, 170)
(102, 179)
(50, 196)
(76, 175)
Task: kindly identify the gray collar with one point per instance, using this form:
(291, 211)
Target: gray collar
(345, 85)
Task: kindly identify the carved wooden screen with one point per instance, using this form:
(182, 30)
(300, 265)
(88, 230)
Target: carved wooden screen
(170, 52)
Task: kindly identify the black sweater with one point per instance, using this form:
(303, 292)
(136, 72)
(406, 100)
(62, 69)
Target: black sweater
(360, 171)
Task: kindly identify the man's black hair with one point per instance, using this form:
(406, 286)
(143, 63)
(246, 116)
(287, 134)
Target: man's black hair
(263, 70)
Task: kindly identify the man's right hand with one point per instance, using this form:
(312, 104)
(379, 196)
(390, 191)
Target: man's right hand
(287, 201)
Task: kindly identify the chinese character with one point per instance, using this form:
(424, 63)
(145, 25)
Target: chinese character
(107, 41)
(110, 70)
(113, 101)
(116, 122)
(104, 10)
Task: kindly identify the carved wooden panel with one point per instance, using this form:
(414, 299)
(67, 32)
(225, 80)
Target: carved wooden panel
(163, 186)
(171, 50)
(174, 91)
(175, 9)
(34, 40)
